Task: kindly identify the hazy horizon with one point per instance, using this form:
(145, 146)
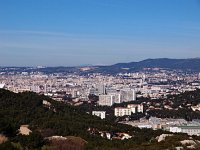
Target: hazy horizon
(85, 65)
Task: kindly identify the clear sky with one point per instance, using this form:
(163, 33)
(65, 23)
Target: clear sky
(78, 32)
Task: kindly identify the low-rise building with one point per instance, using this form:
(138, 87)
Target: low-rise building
(133, 107)
(2, 86)
(197, 107)
(121, 111)
(126, 111)
(136, 108)
(140, 108)
(101, 114)
(190, 130)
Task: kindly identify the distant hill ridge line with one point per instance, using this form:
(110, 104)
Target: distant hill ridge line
(190, 64)
(159, 59)
(93, 65)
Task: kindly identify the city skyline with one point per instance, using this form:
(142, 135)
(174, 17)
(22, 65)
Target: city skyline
(71, 33)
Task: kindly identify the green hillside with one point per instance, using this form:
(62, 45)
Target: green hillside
(60, 119)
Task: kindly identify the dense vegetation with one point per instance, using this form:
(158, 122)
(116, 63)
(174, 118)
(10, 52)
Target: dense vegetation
(180, 106)
(65, 120)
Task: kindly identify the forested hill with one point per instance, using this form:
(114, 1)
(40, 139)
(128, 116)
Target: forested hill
(27, 108)
(60, 119)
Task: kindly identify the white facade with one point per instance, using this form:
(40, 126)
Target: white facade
(190, 130)
(136, 108)
(2, 86)
(101, 114)
(120, 111)
(197, 107)
(131, 108)
(140, 108)
(142, 126)
(175, 129)
(106, 100)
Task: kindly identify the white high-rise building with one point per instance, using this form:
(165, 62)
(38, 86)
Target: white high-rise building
(45, 88)
(117, 98)
(106, 100)
(102, 89)
(127, 95)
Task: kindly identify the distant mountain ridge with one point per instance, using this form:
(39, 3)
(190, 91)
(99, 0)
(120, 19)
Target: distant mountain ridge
(191, 64)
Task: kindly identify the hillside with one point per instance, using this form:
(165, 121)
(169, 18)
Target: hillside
(192, 64)
(63, 120)
(182, 64)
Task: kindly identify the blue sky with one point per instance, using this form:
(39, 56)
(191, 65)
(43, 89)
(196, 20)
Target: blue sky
(77, 32)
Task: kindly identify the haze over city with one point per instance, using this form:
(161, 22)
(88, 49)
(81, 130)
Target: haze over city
(99, 74)
(78, 32)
